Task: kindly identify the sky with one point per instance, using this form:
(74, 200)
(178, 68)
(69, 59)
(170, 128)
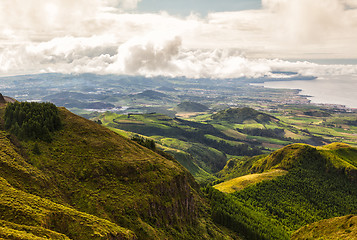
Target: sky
(192, 38)
(202, 7)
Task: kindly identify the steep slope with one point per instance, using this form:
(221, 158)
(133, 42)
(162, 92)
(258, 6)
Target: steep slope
(335, 157)
(23, 213)
(319, 184)
(343, 228)
(88, 171)
(27, 216)
(2, 99)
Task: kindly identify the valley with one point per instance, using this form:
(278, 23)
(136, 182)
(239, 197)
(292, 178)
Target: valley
(203, 143)
(173, 158)
(178, 120)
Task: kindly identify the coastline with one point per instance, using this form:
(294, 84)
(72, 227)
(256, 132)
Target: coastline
(334, 92)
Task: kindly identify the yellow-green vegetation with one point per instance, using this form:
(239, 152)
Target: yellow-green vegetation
(284, 158)
(237, 167)
(319, 184)
(22, 212)
(240, 183)
(91, 183)
(335, 157)
(9, 230)
(342, 157)
(197, 158)
(206, 145)
(298, 123)
(234, 132)
(342, 228)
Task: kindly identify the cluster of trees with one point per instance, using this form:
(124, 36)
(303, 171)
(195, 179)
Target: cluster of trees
(203, 129)
(31, 121)
(197, 135)
(274, 209)
(352, 122)
(243, 218)
(148, 143)
(271, 133)
(239, 115)
(243, 149)
(303, 196)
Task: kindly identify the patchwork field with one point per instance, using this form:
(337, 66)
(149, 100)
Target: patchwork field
(208, 141)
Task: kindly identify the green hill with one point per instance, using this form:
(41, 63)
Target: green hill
(151, 94)
(191, 107)
(335, 157)
(91, 183)
(239, 115)
(343, 228)
(239, 183)
(319, 184)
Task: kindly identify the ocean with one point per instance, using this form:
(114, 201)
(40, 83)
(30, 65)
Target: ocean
(341, 90)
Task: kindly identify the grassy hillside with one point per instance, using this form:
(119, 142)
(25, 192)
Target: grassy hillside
(91, 181)
(319, 184)
(239, 115)
(343, 228)
(240, 183)
(335, 157)
(204, 144)
(237, 167)
(289, 125)
(235, 132)
(32, 216)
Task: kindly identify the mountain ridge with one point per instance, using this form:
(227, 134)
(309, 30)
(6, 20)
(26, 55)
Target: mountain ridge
(104, 176)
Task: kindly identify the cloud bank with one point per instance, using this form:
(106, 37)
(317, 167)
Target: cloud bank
(103, 37)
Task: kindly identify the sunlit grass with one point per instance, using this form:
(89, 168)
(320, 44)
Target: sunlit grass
(240, 183)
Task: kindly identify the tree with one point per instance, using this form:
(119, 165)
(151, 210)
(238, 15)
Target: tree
(36, 149)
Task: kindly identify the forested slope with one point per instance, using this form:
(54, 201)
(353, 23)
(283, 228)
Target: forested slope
(320, 184)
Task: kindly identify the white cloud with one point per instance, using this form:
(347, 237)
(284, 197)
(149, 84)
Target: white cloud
(99, 36)
(139, 57)
(311, 22)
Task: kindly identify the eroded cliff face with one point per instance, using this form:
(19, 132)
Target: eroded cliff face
(181, 203)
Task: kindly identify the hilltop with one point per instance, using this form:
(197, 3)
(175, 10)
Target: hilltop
(91, 183)
(151, 94)
(239, 115)
(343, 228)
(191, 107)
(335, 157)
(5, 99)
(288, 189)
